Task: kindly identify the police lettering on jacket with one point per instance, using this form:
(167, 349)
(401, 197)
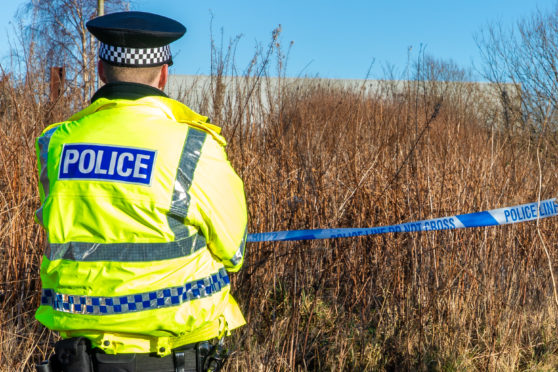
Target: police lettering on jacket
(107, 163)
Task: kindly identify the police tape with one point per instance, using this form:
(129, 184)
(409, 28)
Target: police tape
(494, 217)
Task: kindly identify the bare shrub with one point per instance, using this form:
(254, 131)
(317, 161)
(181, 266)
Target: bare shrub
(522, 61)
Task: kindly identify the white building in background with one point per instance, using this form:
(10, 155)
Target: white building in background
(200, 92)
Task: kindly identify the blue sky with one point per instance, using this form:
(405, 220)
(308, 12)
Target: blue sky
(332, 39)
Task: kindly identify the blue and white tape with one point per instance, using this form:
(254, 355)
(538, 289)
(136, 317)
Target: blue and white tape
(501, 216)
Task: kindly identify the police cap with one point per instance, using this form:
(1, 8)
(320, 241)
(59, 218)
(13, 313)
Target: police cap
(135, 39)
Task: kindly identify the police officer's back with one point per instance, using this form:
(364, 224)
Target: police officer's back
(144, 214)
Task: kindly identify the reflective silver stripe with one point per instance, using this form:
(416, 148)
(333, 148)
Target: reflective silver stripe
(235, 260)
(180, 203)
(126, 252)
(39, 214)
(167, 297)
(43, 143)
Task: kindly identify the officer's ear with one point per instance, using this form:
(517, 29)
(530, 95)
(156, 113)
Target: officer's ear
(163, 77)
(101, 71)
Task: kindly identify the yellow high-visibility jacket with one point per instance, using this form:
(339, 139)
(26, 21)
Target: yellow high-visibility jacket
(144, 216)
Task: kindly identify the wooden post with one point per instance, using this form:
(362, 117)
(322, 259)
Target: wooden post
(4, 82)
(100, 8)
(57, 81)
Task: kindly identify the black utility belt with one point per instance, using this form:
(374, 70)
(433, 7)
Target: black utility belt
(75, 355)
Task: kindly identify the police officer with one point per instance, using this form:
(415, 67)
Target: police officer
(144, 216)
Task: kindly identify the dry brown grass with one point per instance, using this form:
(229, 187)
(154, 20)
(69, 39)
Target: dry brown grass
(319, 157)
(21, 242)
(478, 299)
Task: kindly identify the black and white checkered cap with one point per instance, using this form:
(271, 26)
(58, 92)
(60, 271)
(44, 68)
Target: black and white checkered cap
(135, 39)
(135, 57)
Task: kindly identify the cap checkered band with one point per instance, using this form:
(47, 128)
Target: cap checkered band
(167, 297)
(134, 57)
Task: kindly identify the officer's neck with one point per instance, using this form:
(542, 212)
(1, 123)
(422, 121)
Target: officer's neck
(126, 90)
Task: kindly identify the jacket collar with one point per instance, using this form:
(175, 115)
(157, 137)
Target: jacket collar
(125, 90)
(129, 95)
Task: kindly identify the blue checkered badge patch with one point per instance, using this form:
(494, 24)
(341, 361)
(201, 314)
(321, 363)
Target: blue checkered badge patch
(82, 161)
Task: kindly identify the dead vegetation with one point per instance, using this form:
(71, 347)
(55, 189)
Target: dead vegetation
(313, 155)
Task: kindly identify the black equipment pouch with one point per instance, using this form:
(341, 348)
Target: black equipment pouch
(186, 359)
(115, 363)
(72, 355)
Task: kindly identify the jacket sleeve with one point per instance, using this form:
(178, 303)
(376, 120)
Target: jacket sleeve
(222, 205)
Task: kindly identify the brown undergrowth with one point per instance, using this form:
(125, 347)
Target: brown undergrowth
(475, 299)
(316, 155)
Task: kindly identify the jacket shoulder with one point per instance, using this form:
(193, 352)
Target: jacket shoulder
(50, 127)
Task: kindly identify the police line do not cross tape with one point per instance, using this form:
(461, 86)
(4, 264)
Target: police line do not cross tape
(494, 217)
